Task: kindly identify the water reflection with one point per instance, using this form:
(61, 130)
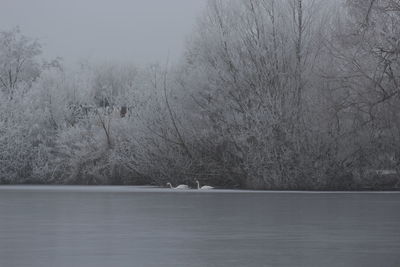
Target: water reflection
(130, 226)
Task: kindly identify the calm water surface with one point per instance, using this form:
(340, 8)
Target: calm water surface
(139, 226)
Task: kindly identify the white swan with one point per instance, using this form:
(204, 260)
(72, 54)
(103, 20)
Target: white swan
(204, 187)
(181, 187)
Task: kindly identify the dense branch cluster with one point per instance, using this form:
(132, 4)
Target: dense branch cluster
(291, 94)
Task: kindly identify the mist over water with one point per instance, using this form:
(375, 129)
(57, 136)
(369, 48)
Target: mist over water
(222, 96)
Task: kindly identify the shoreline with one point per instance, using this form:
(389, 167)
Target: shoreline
(156, 189)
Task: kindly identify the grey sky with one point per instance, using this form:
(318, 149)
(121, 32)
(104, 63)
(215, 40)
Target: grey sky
(140, 31)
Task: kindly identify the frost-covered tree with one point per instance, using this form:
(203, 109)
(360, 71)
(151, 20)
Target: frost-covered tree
(19, 65)
(364, 79)
(291, 94)
(251, 72)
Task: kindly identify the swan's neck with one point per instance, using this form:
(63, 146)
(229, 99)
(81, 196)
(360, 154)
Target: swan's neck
(198, 184)
(170, 185)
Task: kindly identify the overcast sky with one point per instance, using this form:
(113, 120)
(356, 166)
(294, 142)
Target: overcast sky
(140, 31)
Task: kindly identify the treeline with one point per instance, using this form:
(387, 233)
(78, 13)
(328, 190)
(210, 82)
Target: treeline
(288, 94)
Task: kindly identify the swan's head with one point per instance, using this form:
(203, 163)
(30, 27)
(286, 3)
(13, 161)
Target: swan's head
(169, 184)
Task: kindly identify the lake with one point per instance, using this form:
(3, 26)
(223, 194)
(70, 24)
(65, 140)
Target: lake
(78, 226)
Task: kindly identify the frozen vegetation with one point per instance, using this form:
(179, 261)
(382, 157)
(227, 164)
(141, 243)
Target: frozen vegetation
(299, 94)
